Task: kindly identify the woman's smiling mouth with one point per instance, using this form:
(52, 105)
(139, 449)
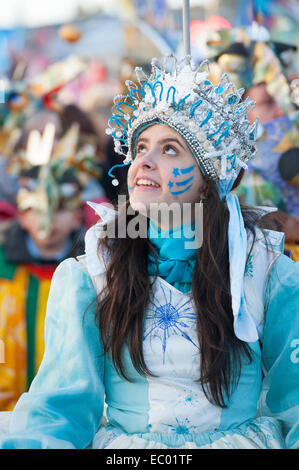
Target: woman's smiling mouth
(146, 184)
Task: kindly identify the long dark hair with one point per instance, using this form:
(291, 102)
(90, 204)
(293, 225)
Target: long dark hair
(124, 298)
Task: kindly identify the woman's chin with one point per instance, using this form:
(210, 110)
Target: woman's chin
(140, 206)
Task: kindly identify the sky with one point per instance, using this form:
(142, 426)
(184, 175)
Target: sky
(37, 13)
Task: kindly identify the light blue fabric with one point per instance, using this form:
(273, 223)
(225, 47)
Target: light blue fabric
(127, 401)
(244, 326)
(251, 379)
(224, 186)
(176, 263)
(281, 348)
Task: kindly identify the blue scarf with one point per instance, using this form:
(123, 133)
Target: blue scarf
(176, 263)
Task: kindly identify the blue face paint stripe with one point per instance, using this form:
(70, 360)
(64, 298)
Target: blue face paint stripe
(182, 183)
(176, 193)
(187, 170)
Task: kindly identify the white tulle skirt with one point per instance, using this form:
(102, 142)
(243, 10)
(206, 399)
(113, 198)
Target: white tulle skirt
(260, 433)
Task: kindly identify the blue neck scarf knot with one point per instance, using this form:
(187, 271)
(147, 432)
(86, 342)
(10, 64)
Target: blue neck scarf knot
(175, 262)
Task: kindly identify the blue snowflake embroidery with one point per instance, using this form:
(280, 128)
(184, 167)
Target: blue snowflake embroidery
(169, 320)
(249, 267)
(182, 426)
(190, 399)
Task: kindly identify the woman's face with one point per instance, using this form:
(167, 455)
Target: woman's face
(163, 171)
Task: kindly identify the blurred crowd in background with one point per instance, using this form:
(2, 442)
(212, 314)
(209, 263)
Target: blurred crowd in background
(57, 84)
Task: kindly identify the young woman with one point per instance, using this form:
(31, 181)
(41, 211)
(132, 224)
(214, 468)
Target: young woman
(151, 342)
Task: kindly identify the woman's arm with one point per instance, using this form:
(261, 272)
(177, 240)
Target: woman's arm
(64, 405)
(280, 350)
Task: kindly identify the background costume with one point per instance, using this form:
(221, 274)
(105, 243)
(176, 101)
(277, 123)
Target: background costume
(251, 58)
(25, 283)
(60, 182)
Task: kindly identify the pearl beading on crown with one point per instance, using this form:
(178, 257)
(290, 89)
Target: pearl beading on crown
(211, 118)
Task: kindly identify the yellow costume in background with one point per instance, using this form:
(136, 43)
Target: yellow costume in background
(24, 291)
(294, 250)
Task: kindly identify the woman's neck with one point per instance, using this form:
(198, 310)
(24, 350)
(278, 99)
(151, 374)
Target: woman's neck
(177, 215)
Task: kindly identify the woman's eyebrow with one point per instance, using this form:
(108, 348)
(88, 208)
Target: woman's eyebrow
(172, 139)
(162, 141)
(142, 139)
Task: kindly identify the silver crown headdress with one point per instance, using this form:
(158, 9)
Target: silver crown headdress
(211, 118)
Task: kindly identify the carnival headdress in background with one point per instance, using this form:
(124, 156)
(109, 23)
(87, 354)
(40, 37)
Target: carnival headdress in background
(55, 172)
(249, 57)
(25, 97)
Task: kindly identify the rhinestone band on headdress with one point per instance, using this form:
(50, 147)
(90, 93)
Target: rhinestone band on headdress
(211, 118)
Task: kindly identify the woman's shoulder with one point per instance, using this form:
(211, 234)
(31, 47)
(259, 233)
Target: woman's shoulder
(284, 276)
(269, 240)
(71, 294)
(264, 247)
(96, 260)
(72, 272)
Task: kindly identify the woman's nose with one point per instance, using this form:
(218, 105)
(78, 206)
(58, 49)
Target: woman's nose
(148, 160)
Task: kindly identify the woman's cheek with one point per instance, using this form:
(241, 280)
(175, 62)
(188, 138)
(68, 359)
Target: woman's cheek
(180, 181)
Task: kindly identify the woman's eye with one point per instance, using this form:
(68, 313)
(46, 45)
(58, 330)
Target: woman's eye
(170, 150)
(140, 148)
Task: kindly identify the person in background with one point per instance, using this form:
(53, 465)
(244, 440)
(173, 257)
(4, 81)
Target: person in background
(31, 104)
(288, 167)
(48, 227)
(255, 63)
